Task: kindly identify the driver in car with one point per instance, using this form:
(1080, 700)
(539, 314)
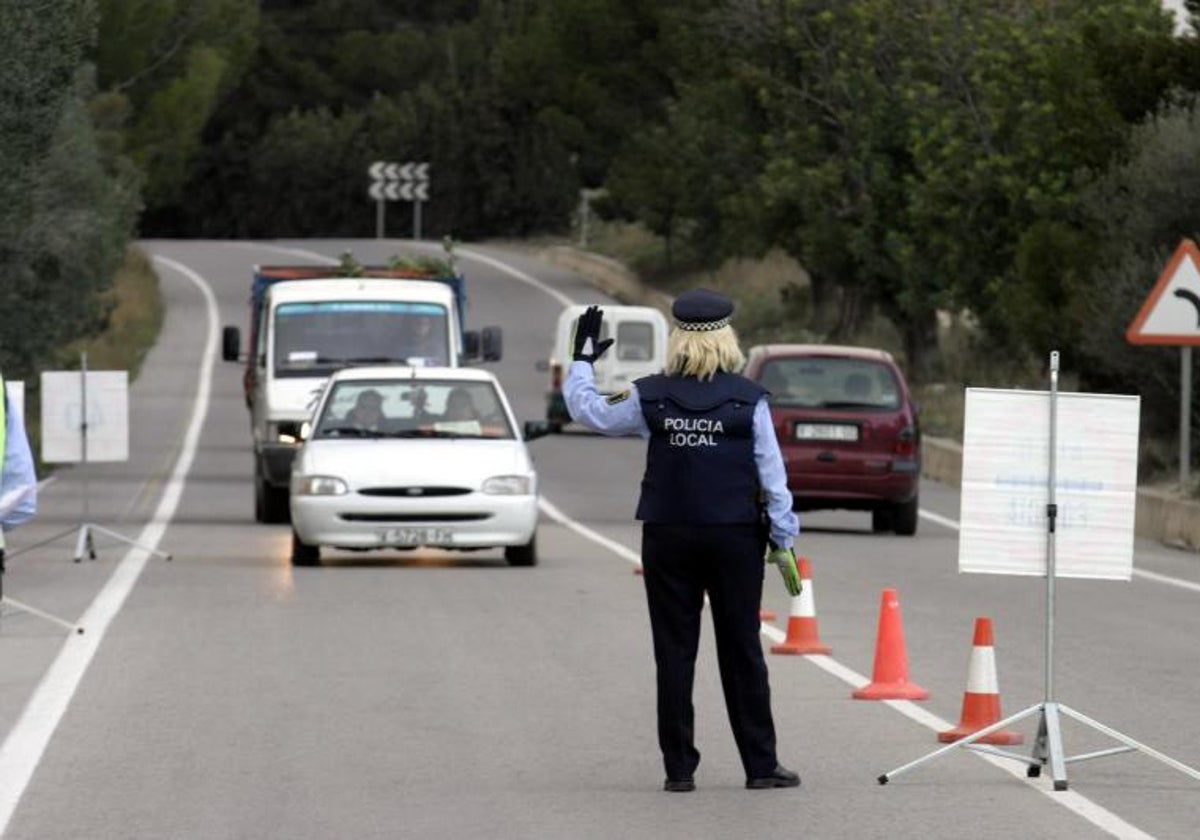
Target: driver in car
(368, 411)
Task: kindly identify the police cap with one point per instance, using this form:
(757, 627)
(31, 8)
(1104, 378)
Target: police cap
(702, 310)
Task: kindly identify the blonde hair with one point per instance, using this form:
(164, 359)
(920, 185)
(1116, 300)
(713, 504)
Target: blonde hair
(703, 353)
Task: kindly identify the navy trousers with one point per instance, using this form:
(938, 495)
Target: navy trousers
(680, 563)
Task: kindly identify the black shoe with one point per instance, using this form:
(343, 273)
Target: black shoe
(680, 785)
(780, 777)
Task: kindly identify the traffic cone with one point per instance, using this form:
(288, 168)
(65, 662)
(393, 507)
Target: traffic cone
(981, 700)
(890, 679)
(802, 637)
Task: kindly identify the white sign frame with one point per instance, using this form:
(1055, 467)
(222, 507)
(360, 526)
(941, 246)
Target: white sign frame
(107, 416)
(1006, 466)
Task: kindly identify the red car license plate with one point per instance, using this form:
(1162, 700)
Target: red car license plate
(826, 431)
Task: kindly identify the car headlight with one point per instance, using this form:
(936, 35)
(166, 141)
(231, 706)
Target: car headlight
(509, 485)
(318, 485)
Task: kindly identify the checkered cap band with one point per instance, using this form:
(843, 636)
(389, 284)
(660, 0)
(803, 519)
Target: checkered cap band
(703, 326)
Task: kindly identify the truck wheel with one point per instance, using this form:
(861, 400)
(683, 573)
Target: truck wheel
(276, 508)
(260, 500)
(270, 502)
(904, 518)
(522, 555)
(304, 554)
(881, 519)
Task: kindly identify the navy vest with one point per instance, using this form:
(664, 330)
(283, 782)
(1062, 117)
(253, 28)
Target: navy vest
(700, 465)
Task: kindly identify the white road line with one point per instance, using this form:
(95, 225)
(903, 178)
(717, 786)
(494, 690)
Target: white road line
(612, 545)
(936, 518)
(23, 748)
(518, 274)
(1140, 573)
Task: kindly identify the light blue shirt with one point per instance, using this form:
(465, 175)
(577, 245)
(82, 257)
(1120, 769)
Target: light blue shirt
(591, 408)
(18, 470)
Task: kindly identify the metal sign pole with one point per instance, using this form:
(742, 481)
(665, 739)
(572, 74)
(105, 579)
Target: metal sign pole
(379, 219)
(83, 430)
(1185, 416)
(416, 218)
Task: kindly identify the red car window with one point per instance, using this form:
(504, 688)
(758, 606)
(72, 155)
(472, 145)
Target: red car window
(830, 382)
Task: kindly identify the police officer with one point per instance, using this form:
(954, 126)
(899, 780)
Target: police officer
(712, 462)
(18, 483)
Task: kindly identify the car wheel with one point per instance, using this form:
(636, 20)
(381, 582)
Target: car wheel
(522, 555)
(881, 519)
(904, 518)
(304, 554)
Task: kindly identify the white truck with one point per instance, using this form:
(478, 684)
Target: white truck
(306, 322)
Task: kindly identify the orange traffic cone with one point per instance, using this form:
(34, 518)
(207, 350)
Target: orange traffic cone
(981, 700)
(802, 637)
(890, 680)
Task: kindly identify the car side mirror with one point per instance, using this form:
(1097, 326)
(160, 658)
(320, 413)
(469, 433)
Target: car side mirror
(305, 430)
(492, 339)
(537, 428)
(470, 345)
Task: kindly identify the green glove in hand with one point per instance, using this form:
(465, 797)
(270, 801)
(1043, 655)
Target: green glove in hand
(588, 327)
(785, 559)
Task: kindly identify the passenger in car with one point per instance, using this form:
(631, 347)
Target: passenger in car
(368, 411)
(460, 406)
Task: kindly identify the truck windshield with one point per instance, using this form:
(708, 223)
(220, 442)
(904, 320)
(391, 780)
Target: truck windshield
(315, 339)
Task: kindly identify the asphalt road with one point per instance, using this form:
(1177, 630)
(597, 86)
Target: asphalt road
(225, 694)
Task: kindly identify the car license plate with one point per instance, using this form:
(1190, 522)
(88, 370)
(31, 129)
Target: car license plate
(416, 536)
(826, 431)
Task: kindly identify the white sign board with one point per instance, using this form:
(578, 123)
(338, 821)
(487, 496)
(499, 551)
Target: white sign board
(1006, 467)
(107, 416)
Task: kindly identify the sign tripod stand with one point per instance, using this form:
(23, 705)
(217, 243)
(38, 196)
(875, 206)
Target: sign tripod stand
(1048, 746)
(85, 542)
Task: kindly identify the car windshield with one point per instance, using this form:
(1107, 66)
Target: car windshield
(830, 382)
(315, 339)
(433, 408)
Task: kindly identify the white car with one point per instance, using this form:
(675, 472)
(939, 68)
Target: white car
(400, 457)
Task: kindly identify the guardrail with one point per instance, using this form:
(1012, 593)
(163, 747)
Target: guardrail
(1159, 515)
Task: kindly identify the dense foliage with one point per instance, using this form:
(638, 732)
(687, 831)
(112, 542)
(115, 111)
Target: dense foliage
(1028, 163)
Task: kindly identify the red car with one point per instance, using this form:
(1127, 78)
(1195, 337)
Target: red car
(847, 427)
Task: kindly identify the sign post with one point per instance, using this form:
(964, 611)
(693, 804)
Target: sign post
(1171, 316)
(398, 182)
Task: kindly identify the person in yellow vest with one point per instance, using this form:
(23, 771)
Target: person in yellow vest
(18, 481)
